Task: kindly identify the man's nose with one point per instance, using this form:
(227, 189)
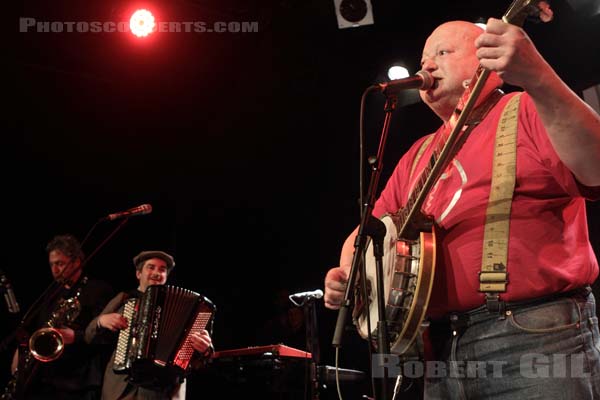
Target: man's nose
(429, 65)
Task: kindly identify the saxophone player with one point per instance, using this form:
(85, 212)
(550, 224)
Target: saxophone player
(55, 362)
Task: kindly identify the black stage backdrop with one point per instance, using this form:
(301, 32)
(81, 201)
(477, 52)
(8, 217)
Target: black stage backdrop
(245, 144)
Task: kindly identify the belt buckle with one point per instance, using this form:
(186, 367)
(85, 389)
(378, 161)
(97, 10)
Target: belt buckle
(494, 304)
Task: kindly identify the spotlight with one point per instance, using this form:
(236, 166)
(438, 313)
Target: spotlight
(142, 23)
(397, 72)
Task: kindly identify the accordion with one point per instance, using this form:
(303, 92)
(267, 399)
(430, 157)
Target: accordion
(155, 348)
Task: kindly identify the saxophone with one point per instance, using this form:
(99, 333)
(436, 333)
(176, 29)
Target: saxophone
(45, 344)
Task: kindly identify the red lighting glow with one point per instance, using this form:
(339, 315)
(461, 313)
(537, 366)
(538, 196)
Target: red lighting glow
(142, 23)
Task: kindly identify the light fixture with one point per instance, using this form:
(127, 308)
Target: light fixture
(397, 72)
(142, 23)
(353, 13)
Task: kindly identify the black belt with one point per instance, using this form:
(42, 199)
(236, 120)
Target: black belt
(582, 291)
(460, 320)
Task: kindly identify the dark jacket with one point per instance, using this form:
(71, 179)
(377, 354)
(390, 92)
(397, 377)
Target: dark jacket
(117, 386)
(80, 367)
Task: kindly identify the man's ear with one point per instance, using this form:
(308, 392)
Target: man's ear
(138, 274)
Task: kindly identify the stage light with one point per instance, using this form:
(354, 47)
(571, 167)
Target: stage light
(397, 72)
(142, 23)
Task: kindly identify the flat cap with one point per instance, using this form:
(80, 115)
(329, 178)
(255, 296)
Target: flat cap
(146, 255)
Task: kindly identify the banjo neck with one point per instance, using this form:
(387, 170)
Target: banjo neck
(411, 219)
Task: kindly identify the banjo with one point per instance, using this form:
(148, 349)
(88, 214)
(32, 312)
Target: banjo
(409, 248)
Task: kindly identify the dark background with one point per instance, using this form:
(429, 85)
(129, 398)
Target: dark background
(245, 144)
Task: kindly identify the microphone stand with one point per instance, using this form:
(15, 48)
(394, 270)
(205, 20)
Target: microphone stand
(52, 291)
(49, 296)
(312, 344)
(375, 228)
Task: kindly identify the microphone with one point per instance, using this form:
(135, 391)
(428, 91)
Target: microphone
(421, 80)
(300, 298)
(139, 210)
(9, 294)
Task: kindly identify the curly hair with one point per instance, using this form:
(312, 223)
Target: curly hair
(67, 244)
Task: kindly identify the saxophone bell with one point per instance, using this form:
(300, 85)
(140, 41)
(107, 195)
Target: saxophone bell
(46, 344)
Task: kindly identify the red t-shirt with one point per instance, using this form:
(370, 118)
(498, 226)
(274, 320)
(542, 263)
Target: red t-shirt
(549, 249)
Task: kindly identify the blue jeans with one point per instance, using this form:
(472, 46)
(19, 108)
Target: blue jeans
(541, 351)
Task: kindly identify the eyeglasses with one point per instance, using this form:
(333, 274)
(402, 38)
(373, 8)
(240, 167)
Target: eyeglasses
(60, 263)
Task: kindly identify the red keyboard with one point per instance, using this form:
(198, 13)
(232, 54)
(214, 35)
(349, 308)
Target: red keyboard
(279, 350)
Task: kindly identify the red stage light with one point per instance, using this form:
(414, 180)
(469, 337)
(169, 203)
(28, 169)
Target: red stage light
(142, 23)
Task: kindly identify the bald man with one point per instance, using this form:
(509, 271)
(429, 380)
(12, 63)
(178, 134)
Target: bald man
(537, 335)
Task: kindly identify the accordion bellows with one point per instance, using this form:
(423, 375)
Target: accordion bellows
(155, 348)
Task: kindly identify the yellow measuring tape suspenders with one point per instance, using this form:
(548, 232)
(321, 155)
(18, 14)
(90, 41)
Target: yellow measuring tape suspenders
(419, 154)
(493, 277)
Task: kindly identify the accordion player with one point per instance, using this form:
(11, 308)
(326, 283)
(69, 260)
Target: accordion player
(155, 348)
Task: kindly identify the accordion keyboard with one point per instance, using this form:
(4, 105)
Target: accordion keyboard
(156, 347)
(121, 363)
